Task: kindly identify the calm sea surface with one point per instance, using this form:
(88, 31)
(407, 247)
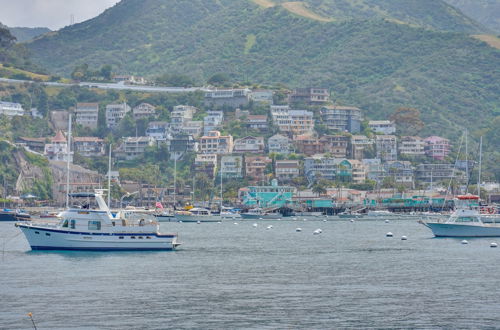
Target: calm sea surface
(228, 276)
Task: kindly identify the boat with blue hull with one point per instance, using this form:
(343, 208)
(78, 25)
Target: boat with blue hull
(97, 229)
(14, 215)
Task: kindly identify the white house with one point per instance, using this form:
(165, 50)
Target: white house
(115, 113)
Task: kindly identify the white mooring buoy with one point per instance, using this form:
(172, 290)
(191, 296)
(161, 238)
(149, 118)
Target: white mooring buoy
(386, 221)
(493, 245)
(298, 229)
(198, 222)
(317, 231)
(464, 242)
(260, 218)
(389, 234)
(255, 225)
(352, 220)
(235, 223)
(270, 227)
(404, 238)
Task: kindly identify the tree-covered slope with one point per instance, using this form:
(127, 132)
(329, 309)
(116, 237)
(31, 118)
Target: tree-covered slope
(486, 12)
(434, 14)
(24, 34)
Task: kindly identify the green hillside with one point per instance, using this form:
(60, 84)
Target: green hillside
(430, 14)
(486, 12)
(24, 34)
(376, 64)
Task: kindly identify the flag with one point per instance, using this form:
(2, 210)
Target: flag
(158, 205)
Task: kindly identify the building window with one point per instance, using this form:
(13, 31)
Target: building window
(94, 225)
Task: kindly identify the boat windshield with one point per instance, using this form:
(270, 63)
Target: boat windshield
(466, 219)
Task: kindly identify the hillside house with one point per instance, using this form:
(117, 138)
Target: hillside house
(342, 118)
(249, 144)
(115, 113)
(89, 146)
(11, 109)
(385, 127)
(278, 144)
(310, 95)
(256, 167)
(87, 114)
(144, 110)
(215, 143)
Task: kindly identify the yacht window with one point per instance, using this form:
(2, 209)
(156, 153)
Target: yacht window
(147, 237)
(65, 224)
(121, 237)
(132, 237)
(72, 224)
(37, 232)
(94, 225)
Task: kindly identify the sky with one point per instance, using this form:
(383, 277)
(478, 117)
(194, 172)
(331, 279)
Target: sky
(53, 14)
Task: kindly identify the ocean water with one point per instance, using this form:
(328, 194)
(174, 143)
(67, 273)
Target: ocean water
(228, 276)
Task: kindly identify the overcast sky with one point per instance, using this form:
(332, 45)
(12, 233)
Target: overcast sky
(53, 14)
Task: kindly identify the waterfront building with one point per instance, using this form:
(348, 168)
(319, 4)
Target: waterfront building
(192, 127)
(374, 169)
(436, 172)
(262, 96)
(182, 144)
(400, 171)
(308, 145)
(296, 122)
(272, 195)
(320, 167)
(181, 114)
(336, 145)
(257, 122)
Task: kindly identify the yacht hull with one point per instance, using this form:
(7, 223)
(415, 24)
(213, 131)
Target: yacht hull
(196, 218)
(463, 230)
(261, 216)
(42, 238)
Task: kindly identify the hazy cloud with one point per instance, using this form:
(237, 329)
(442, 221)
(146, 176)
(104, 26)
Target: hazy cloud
(53, 14)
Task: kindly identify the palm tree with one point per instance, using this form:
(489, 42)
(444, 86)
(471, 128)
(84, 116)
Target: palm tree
(319, 189)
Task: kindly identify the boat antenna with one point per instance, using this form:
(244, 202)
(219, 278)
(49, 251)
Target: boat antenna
(68, 153)
(109, 177)
(466, 161)
(480, 165)
(221, 184)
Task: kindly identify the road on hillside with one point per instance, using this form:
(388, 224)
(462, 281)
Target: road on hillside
(113, 86)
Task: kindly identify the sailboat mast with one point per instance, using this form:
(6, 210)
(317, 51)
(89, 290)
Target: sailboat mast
(109, 177)
(68, 154)
(221, 184)
(480, 165)
(466, 161)
(175, 178)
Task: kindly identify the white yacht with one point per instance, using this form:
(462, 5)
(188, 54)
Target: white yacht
(466, 221)
(260, 214)
(97, 229)
(197, 214)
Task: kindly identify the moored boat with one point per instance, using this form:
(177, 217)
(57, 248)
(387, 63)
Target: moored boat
(197, 214)
(97, 229)
(260, 214)
(14, 215)
(466, 221)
